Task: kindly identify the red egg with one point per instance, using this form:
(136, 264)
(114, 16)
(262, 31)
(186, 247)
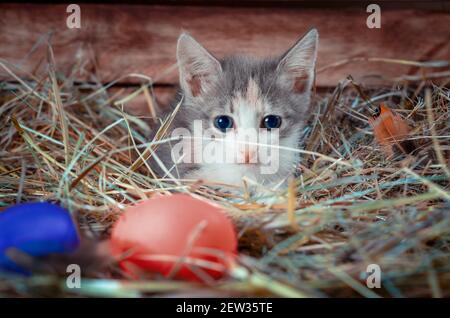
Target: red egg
(178, 236)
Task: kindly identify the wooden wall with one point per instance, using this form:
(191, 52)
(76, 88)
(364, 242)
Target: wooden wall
(118, 39)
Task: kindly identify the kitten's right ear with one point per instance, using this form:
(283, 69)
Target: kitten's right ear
(297, 65)
(197, 67)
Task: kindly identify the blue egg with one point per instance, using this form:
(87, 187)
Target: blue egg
(37, 229)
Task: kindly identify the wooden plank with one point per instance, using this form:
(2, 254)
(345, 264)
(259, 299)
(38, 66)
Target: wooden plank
(116, 40)
(321, 4)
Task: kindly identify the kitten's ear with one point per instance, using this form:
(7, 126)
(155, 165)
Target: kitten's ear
(197, 67)
(296, 67)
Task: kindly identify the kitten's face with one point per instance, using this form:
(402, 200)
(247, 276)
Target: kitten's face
(244, 104)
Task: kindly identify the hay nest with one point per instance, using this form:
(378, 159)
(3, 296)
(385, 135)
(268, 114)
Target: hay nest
(352, 204)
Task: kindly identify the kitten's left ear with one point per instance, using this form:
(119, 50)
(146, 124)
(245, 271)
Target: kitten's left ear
(197, 67)
(296, 67)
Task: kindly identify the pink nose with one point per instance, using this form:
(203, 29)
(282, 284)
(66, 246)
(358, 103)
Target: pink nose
(249, 156)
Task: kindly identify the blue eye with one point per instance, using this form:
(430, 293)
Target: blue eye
(223, 122)
(271, 122)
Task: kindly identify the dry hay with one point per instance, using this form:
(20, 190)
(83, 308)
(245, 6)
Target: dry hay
(351, 206)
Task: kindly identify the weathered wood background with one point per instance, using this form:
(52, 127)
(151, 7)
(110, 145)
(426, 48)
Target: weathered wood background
(120, 39)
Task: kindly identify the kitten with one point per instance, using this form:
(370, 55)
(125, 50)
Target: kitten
(226, 97)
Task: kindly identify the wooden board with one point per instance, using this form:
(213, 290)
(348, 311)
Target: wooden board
(116, 40)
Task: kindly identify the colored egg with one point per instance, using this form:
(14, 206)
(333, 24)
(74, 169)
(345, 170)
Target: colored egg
(178, 236)
(37, 229)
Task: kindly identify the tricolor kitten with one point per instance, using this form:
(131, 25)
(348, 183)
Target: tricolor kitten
(237, 93)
